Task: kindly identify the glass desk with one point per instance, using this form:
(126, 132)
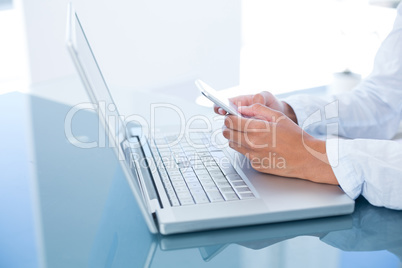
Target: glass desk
(86, 216)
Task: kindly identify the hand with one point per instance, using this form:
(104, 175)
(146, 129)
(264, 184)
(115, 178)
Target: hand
(275, 144)
(264, 98)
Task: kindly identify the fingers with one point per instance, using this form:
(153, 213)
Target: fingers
(262, 117)
(264, 98)
(269, 98)
(259, 98)
(236, 137)
(238, 148)
(260, 111)
(243, 100)
(248, 140)
(219, 110)
(242, 124)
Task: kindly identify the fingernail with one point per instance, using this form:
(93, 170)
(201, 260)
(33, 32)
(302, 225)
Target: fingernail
(221, 111)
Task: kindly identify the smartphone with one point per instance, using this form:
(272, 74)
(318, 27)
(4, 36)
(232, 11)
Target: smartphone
(212, 95)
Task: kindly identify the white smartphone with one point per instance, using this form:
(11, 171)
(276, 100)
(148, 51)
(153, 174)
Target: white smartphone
(212, 95)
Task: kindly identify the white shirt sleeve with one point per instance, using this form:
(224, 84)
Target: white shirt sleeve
(371, 111)
(372, 168)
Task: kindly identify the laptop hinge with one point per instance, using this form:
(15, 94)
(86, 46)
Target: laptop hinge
(139, 162)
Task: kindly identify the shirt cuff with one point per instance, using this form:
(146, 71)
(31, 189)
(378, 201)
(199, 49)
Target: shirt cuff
(298, 107)
(341, 163)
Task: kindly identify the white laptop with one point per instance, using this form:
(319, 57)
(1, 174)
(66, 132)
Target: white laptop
(193, 184)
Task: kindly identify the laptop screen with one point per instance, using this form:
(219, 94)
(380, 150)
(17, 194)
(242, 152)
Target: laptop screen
(97, 89)
(95, 84)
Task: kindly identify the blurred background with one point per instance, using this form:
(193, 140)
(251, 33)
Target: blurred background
(164, 45)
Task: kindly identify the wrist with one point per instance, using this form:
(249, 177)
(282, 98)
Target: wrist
(316, 164)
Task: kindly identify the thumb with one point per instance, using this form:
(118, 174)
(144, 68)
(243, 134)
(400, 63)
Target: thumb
(259, 111)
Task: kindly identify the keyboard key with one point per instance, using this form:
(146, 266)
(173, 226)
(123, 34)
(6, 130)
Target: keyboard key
(180, 160)
(181, 189)
(170, 165)
(163, 172)
(234, 178)
(177, 152)
(246, 195)
(184, 165)
(178, 183)
(222, 184)
(197, 190)
(186, 201)
(218, 155)
(198, 165)
(207, 159)
(204, 176)
(239, 183)
(200, 198)
(165, 180)
(215, 196)
(242, 189)
(215, 173)
(171, 193)
(168, 186)
(208, 184)
(205, 179)
(162, 148)
(165, 155)
(201, 172)
(175, 202)
(211, 188)
(220, 178)
(176, 178)
(174, 172)
(182, 195)
(230, 196)
(228, 169)
(194, 185)
(193, 157)
(204, 153)
(211, 164)
(190, 179)
(187, 172)
(190, 153)
(226, 189)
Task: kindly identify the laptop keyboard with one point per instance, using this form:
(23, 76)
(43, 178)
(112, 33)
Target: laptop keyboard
(197, 173)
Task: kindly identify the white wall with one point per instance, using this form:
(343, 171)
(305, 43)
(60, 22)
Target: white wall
(140, 44)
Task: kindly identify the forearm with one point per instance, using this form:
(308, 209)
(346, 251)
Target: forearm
(358, 114)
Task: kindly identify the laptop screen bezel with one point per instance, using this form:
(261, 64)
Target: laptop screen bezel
(74, 25)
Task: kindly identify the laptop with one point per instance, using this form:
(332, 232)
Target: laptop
(185, 183)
